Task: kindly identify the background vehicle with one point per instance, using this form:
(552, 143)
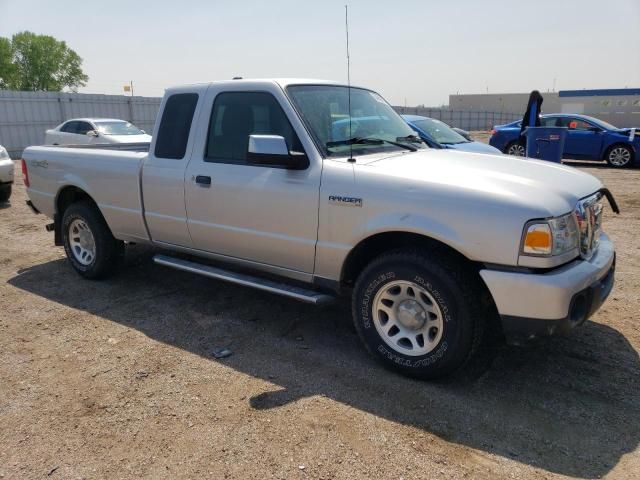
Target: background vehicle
(440, 135)
(587, 139)
(82, 131)
(464, 133)
(435, 246)
(6, 175)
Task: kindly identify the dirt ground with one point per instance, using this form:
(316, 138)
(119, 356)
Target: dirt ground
(117, 379)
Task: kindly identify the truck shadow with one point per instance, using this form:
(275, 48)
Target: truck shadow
(568, 406)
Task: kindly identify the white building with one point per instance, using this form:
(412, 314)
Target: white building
(618, 106)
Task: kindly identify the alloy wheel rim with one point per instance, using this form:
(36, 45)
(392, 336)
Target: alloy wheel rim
(516, 150)
(619, 156)
(407, 318)
(81, 242)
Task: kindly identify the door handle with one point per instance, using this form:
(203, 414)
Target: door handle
(204, 180)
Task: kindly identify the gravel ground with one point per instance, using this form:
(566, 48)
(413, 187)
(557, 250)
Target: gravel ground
(117, 379)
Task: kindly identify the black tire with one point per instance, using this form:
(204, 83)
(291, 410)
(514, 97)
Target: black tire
(5, 193)
(108, 250)
(619, 156)
(457, 293)
(514, 146)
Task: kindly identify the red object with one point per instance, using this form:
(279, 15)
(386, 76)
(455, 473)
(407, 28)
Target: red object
(493, 132)
(25, 174)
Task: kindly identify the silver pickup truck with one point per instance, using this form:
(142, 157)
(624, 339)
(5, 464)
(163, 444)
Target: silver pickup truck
(311, 189)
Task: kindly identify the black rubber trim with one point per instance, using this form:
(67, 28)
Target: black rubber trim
(519, 330)
(612, 201)
(33, 207)
(57, 230)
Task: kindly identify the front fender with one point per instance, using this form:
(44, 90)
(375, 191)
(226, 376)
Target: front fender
(411, 222)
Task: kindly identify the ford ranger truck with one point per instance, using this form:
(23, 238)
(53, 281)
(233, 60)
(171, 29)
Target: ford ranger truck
(263, 184)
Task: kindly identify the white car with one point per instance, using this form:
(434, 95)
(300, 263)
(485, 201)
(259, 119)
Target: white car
(84, 131)
(6, 175)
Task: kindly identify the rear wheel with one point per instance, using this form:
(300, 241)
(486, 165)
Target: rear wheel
(517, 149)
(90, 247)
(5, 193)
(419, 313)
(619, 156)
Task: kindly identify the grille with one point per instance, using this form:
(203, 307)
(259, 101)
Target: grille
(589, 216)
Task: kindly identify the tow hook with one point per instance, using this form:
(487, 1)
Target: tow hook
(50, 227)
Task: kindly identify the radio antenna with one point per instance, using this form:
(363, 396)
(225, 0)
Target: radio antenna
(346, 26)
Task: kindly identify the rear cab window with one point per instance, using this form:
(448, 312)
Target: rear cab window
(175, 126)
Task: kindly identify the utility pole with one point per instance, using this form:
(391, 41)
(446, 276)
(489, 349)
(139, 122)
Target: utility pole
(129, 88)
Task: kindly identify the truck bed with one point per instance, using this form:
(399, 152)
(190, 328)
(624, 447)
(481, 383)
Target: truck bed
(111, 176)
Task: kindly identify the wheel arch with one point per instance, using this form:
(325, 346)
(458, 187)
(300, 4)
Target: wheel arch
(66, 196)
(513, 141)
(377, 244)
(618, 143)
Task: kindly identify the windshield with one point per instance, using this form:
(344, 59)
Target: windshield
(601, 123)
(440, 132)
(325, 110)
(118, 128)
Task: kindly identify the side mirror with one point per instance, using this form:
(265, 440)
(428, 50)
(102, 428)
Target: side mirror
(595, 129)
(143, 131)
(272, 151)
(93, 133)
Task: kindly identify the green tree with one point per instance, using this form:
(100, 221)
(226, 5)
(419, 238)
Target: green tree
(7, 68)
(42, 63)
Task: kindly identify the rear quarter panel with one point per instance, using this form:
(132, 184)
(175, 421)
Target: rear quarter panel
(110, 178)
(503, 137)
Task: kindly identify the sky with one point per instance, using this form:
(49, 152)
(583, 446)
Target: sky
(412, 52)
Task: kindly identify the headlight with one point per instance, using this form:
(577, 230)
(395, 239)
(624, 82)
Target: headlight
(550, 237)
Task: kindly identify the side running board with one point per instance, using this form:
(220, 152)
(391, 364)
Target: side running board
(298, 293)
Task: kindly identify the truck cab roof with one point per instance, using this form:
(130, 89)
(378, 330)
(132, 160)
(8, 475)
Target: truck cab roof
(256, 83)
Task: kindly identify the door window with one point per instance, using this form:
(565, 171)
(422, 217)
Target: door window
(69, 127)
(549, 121)
(235, 116)
(575, 124)
(83, 127)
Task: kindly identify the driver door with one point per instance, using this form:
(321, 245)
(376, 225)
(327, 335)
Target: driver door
(584, 139)
(251, 212)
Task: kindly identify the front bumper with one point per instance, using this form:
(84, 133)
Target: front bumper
(533, 305)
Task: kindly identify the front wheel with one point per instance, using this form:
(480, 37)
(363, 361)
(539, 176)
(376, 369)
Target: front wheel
(516, 149)
(619, 156)
(418, 313)
(90, 246)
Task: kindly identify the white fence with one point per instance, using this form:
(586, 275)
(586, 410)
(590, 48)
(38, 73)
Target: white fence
(465, 119)
(24, 116)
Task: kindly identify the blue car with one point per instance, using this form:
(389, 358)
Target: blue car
(438, 134)
(587, 139)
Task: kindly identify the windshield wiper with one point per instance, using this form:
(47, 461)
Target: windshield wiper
(410, 138)
(369, 141)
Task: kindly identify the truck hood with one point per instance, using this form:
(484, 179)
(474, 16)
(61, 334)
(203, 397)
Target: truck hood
(475, 147)
(543, 188)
